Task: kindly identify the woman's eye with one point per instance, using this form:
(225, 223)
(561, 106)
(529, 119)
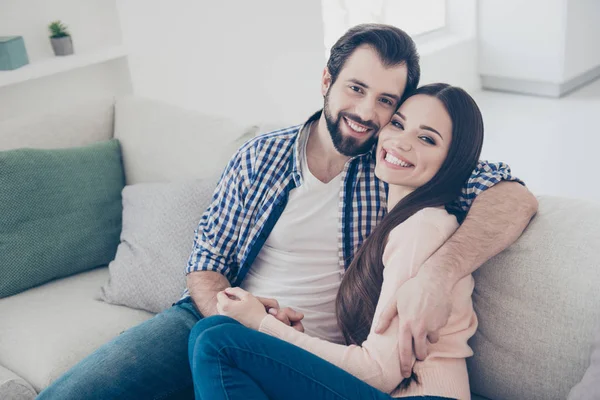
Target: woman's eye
(428, 140)
(355, 88)
(397, 124)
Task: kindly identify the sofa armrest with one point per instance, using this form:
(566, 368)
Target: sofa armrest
(13, 387)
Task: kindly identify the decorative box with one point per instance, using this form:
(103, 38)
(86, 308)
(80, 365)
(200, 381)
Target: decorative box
(12, 53)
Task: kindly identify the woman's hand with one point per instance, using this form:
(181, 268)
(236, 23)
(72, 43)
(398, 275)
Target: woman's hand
(241, 306)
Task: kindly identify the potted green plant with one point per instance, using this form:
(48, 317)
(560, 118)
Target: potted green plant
(60, 39)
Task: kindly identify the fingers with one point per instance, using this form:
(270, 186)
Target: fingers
(280, 315)
(237, 292)
(222, 301)
(420, 342)
(297, 325)
(268, 302)
(433, 337)
(287, 315)
(405, 350)
(292, 314)
(387, 316)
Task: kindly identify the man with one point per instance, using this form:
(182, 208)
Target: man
(288, 214)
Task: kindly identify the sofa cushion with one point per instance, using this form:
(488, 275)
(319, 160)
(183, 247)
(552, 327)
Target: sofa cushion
(163, 142)
(537, 304)
(47, 330)
(61, 127)
(159, 220)
(589, 387)
(14, 387)
(60, 212)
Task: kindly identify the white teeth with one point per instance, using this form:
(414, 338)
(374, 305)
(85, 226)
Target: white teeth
(356, 127)
(391, 159)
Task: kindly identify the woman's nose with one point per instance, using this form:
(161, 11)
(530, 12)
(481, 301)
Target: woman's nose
(403, 145)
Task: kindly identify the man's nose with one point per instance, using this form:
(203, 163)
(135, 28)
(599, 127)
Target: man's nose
(365, 110)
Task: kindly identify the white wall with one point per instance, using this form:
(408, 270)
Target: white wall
(454, 63)
(582, 51)
(522, 39)
(451, 55)
(251, 61)
(544, 47)
(93, 24)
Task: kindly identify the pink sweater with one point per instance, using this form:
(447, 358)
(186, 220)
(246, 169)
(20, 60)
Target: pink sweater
(376, 362)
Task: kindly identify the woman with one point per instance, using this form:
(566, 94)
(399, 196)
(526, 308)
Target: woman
(425, 154)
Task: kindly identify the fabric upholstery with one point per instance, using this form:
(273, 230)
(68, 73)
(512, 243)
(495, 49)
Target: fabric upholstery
(159, 220)
(589, 387)
(162, 142)
(14, 387)
(537, 304)
(60, 212)
(46, 330)
(61, 127)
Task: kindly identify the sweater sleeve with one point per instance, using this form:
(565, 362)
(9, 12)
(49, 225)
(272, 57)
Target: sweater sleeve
(376, 362)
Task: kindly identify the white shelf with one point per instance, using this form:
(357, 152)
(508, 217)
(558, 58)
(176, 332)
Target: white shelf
(55, 65)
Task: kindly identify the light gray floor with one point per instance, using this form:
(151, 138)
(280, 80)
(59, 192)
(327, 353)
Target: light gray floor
(552, 144)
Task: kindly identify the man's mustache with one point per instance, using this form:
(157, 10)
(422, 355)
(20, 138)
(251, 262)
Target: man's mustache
(358, 120)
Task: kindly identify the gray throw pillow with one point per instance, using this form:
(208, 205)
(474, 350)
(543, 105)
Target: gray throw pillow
(159, 220)
(589, 387)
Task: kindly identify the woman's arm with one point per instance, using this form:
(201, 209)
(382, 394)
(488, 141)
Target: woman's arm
(376, 361)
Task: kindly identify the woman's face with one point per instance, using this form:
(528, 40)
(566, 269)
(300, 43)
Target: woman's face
(413, 146)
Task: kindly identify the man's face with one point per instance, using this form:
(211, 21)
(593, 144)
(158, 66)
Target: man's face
(362, 100)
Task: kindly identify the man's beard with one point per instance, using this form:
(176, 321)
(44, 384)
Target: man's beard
(347, 146)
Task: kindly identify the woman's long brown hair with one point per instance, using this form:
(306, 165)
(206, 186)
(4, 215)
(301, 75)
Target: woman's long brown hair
(361, 286)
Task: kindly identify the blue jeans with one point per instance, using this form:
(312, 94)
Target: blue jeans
(148, 361)
(230, 361)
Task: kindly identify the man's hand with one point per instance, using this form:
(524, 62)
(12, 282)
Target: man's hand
(286, 315)
(426, 305)
(242, 306)
(290, 317)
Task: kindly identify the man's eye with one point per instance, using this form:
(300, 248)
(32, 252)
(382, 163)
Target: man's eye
(387, 101)
(428, 140)
(356, 88)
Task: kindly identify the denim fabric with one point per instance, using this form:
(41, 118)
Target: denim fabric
(229, 361)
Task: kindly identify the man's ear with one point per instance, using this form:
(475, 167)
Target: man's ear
(325, 81)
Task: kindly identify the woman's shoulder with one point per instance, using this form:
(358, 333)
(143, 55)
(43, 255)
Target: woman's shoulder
(427, 220)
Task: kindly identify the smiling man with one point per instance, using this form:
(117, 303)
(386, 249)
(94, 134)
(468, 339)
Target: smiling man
(288, 215)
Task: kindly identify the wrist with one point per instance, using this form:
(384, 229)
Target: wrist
(257, 321)
(441, 275)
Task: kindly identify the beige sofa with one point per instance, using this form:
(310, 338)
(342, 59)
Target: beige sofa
(537, 302)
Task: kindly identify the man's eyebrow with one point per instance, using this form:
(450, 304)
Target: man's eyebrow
(361, 83)
(428, 128)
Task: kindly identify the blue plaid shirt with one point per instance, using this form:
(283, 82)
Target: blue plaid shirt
(253, 190)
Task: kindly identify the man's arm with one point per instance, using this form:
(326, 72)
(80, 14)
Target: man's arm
(203, 287)
(495, 220)
(213, 261)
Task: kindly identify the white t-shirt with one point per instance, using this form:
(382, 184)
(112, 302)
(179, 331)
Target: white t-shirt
(298, 264)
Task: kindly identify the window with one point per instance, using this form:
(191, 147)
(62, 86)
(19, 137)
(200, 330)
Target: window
(415, 17)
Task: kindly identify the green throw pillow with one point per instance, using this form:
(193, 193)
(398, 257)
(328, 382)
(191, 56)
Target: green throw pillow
(60, 212)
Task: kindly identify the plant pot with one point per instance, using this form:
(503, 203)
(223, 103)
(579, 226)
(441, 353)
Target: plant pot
(62, 46)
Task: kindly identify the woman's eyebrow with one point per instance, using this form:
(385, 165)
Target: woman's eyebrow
(428, 128)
